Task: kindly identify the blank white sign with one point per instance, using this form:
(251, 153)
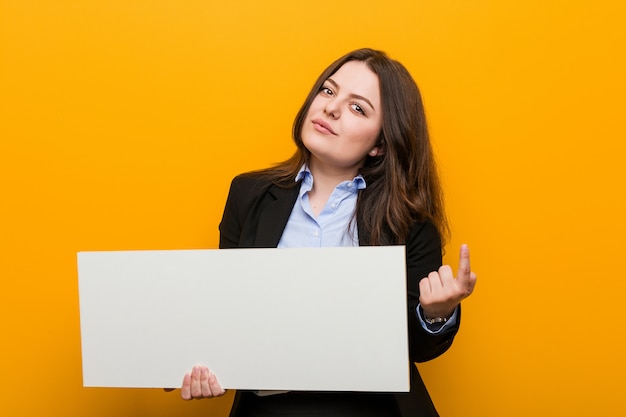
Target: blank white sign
(322, 319)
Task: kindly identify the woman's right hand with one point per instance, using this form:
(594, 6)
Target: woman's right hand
(200, 383)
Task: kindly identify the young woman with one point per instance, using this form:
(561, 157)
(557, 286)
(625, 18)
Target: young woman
(363, 174)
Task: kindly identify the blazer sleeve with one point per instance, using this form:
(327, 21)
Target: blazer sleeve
(230, 226)
(423, 255)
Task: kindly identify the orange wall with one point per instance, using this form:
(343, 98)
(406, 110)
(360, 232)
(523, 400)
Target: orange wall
(122, 123)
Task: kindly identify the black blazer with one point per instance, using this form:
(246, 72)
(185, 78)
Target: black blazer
(255, 216)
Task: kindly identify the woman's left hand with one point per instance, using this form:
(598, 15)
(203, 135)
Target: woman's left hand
(441, 292)
(200, 383)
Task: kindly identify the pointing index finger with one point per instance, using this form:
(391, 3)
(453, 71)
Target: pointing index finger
(464, 272)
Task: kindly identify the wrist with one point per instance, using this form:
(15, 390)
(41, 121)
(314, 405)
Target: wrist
(432, 317)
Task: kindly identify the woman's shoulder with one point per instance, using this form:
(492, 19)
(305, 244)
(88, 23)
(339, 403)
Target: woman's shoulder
(261, 180)
(251, 182)
(424, 232)
(254, 185)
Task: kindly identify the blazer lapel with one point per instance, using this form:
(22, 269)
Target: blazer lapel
(274, 215)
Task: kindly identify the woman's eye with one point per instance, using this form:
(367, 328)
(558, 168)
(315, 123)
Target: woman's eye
(358, 108)
(327, 91)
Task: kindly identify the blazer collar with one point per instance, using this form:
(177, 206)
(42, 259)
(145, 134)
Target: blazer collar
(274, 216)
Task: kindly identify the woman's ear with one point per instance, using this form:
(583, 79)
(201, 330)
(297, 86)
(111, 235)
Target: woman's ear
(376, 151)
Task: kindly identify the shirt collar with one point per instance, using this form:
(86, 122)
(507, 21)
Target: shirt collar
(305, 173)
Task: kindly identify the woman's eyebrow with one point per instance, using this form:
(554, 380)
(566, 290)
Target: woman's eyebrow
(330, 80)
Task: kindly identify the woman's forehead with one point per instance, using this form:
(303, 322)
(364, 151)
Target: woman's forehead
(356, 78)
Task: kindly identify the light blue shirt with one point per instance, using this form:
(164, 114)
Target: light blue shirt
(334, 226)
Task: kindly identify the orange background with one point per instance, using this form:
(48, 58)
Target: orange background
(122, 123)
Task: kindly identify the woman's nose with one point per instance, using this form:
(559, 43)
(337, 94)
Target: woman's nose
(332, 109)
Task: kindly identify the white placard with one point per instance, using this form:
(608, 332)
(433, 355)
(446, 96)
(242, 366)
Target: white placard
(321, 319)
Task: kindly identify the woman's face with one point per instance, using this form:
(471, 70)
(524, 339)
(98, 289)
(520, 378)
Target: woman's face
(344, 120)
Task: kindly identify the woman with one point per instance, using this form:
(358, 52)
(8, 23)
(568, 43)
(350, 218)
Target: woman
(363, 174)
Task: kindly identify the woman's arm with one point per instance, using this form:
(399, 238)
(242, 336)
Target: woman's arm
(230, 226)
(423, 257)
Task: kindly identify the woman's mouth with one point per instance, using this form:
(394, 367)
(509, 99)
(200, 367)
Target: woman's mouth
(323, 127)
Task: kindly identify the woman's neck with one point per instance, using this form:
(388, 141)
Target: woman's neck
(325, 181)
(331, 176)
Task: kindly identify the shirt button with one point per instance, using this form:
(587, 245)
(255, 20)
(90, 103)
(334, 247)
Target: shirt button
(333, 205)
(316, 233)
(350, 184)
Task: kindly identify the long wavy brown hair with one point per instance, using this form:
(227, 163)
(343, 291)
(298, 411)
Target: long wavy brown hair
(402, 184)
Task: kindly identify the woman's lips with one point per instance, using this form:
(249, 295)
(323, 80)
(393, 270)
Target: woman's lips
(323, 127)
